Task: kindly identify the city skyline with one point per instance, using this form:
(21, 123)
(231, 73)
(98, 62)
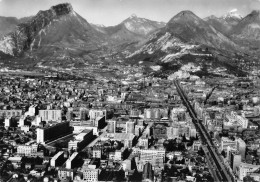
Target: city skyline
(112, 12)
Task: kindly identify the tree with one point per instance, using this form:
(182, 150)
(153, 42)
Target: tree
(209, 178)
(248, 179)
(184, 138)
(190, 143)
(120, 175)
(211, 134)
(38, 160)
(173, 172)
(201, 152)
(198, 177)
(9, 166)
(61, 144)
(136, 176)
(166, 143)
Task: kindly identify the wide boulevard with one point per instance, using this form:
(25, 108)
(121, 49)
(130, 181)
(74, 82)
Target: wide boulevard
(216, 164)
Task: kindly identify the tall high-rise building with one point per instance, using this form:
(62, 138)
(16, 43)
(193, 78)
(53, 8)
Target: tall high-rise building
(32, 110)
(153, 113)
(51, 132)
(8, 121)
(134, 113)
(94, 113)
(147, 114)
(69, 114)
(235, 160)
(57, 159)
(241, 147)
(111, 126)
(156, 113)
(21, 121)
(37, 120)
(83, 113)
(50, 115)
(71, 161)
(148, 175)
(130, 127)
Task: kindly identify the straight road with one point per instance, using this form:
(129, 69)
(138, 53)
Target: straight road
(220, 173)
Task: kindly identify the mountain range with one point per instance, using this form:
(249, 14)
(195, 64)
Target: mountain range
(61, 37)
(132, 29)
(225, 23)
(244, 31)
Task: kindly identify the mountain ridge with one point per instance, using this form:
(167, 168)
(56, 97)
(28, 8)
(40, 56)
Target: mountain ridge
(60, 19)
(8, 24)
(131, 29)
(247, 31)
(61, 37)
(189, 27)
(187, 38)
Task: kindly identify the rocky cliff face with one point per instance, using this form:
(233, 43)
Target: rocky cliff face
(232, 17)
(25, 36)
(7, 24)
(141, 26)
(61, 9)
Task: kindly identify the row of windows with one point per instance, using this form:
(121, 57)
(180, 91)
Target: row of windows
(8, 113)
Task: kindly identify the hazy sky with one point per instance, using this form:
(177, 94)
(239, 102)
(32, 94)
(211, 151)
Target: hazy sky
(112, 12)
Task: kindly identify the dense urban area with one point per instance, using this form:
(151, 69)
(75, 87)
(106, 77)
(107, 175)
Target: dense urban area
(146, 129)
(140, 101)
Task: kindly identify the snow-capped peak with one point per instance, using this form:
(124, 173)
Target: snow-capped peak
(233, 14)
(99, 25)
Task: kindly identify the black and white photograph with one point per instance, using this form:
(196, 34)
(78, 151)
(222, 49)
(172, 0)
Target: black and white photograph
(129, 90)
